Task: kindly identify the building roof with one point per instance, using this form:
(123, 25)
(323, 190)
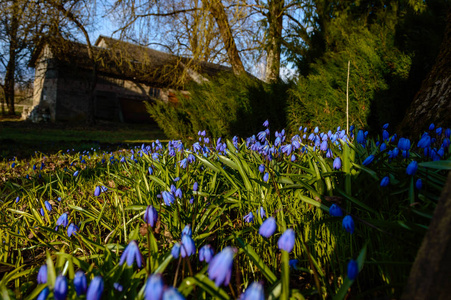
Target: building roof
(125, 60)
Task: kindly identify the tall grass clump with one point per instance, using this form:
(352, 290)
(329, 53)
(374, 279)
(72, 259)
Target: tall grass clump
(313, 215)
(224, 105)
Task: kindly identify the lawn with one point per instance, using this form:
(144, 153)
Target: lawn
(22, 139)
(312, 216)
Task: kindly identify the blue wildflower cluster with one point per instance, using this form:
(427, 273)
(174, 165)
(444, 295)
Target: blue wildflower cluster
(167, 206)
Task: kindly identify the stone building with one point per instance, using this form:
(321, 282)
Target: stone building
(66, 88)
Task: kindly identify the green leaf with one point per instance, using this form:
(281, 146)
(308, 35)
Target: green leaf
(205, 284)
(258, 261)
(439, 164)
(51, 273)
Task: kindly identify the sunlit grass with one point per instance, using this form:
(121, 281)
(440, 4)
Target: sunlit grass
(302, 184)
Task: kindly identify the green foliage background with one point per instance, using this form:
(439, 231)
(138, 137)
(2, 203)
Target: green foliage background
(390, 47)
(224, 106)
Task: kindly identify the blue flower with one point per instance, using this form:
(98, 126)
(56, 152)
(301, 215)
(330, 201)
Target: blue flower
(262, 212)
(268, 227)
(183, 163)
(286, 240)
(80, 283)
(60, 289)
(361, 137)
(195, 186)
(348, 224)
(97, 191)
(187, 230)
(17, 199)
(432, 126)
(249, 218)
(412, 168)
(150, 170)
(118, 287)
(337, 163)
(405, 153)
(168, 198)
(261, 135)
(42, 275)
(266, 177)
(353, 269)
(261, 168)
(266, 123)
(254, 292)
(175, 252)
(62, 220)
(329, 153)
(154, 287)
(220, 267)
(404, 144)
(151, 216)
(48, 206)
(335, 211)
(385, 181)
(172, 294)
(385, 135)
(76, 173)
(187, 247)
(178, 193)
(368, 160)
(206, 253)
(293, 263)
(419, 184)
(131, 254)
(72, 229)
(425, 141)
(13, 165)
(43, 294)
(95, 289)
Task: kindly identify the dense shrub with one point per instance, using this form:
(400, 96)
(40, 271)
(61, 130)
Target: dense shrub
(320, 97)
(224, 106)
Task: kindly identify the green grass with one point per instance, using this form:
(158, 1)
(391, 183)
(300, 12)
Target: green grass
(390, 221)
(22, 139)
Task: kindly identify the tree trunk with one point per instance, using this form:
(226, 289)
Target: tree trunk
(432, 104)
(10, 81)
(11, 66)
(430, 274)
(275, 19)
(218, 12)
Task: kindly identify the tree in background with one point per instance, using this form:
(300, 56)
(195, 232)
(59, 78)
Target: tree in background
(20, 27)
(373, 36)
(432, 103)
(236, 32)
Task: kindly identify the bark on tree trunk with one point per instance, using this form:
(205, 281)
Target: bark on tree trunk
(432, 104)
(11, 66)
(430, 274)
(9, 83)
(218, 12)
(275, 19)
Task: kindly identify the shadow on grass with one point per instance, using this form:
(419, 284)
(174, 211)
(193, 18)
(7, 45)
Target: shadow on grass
(23, 139)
